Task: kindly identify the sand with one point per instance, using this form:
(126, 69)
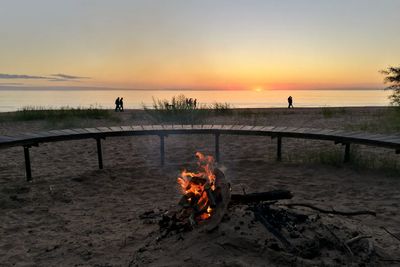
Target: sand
(75, 215)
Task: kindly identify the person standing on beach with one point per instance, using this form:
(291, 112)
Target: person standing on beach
(290, 101)
(117, 104)
(121, 104)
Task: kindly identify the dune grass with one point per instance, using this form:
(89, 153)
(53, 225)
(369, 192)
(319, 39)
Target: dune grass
(177, 110)
(62, 117)
(386, 122)
(387, 164)
(41, 113)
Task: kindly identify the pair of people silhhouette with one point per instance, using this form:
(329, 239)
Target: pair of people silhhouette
(119, 104)
(191, 103)
(290, 102)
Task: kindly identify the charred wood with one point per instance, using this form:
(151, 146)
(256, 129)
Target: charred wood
(263, 196)
(258, 213)
(210, 196)
(223, 191)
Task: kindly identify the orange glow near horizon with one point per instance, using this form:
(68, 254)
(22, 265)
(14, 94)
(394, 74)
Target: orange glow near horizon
(225, 45)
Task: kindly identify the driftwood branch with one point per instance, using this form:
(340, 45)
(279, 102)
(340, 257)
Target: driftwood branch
(258, 197)
(390, 233)
(355, 239)
(332, 211)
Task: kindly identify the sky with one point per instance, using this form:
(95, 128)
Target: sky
(207, 44)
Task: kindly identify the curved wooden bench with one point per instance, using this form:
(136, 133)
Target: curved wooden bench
(27, 140)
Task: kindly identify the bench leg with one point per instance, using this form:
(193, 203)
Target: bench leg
(217, 147)
(99, 153)
(162, 150)
(27, 164)
(347, 153)
(279, 149)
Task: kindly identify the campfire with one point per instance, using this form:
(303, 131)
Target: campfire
(205, 197)
(200, 194)
(233, 220)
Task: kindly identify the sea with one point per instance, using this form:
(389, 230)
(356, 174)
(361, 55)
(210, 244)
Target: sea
(18, 98)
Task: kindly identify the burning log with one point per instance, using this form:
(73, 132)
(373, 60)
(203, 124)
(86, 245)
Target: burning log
(223, 189)
(210, 196)
(258, 197)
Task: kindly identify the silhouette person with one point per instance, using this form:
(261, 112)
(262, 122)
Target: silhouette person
(290, 101)
(117, 104)
(121, 104)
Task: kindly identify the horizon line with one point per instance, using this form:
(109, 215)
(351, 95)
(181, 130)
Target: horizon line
(100, 88)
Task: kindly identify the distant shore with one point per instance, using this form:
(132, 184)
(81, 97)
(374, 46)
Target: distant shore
(250, 108)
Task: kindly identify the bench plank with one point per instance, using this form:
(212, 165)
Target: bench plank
(177, 127)
(93, 130)
(237, 127)
(227, 127)
(267, 128)
(197, 126)
(167, 127)
(126, 128)
(187, 127)
(247, 128)
(104, 129)
(116, 128)
(147, 127)
(81, 130)
(137, 128)
(69, 132)
(278, 129)
(158, 127)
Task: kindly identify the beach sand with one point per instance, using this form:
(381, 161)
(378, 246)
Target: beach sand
(73, 214)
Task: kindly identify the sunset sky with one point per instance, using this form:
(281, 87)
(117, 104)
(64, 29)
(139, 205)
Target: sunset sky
(248, 44)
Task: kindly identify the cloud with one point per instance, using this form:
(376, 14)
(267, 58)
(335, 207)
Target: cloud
(3, 84)
(19, 76)
(69, 77)
(57, 80)
(59, 77)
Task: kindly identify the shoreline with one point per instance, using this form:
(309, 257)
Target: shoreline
(233, 109)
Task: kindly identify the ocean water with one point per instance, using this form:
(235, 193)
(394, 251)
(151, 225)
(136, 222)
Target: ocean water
(14, 99)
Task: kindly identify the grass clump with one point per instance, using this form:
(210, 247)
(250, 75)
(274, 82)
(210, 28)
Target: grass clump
(64, 116)
(389, 164)
(182, 110)
(41, 113)
(386, 122)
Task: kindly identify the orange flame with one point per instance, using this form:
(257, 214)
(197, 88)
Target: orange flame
(193, 184)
